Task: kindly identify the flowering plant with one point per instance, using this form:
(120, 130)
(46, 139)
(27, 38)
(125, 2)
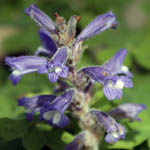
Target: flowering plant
(58, 56)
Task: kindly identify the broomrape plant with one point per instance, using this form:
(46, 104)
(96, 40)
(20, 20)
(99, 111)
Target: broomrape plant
(58, 55)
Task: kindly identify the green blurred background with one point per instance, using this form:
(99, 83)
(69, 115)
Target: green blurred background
(18, 36)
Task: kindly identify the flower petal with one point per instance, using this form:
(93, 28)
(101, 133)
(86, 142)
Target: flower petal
(35, 103)
(23, 65)
(109, 138)
(98, 74)
(77, 143)
(63, 101)
(29, 116)
(15, 77)
(55, 118)
(53, 77)
(43, 51)
(63, 72)
(43, 69)
(54, 113)
(127, 82)
(129, 111)
(60, 56)
(115, 63)
(64, 121)
(40, 18)
(115, 131)
(112, 93)
(98, 25)
(47, 42)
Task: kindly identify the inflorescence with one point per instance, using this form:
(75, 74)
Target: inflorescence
(57, 57)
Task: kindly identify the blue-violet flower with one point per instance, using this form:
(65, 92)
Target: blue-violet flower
(109, 76)
(99, 24)
(55, 68)
(115, 131)
(77, 143)
(40, 18)
(54, 112)
(34, 104)
(48, 47)
(129, 111)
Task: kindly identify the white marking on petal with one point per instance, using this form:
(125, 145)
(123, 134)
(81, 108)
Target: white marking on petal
(115, 135)
(65, 100)
(124, 69)
(119, 84)
(56, 118)
(49, 114)
(16, 73)
(52, 114)
(110, 84)
(57, 69)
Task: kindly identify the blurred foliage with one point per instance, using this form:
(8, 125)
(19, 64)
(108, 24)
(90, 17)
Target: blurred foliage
(18, 134)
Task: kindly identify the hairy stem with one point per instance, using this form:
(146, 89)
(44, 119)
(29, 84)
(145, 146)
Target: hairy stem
(81, 110)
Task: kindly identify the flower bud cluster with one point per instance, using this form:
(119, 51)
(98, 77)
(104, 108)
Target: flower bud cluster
(60, 51)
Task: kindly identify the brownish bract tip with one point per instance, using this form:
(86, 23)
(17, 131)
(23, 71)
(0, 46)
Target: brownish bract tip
(56, 15)
(78, 18)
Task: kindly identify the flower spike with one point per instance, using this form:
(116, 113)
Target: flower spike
(62, 50)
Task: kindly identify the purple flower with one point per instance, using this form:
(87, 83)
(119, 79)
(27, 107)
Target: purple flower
(34, 104)
(98, 74)
(54, 113)
(115, 131)
(115, 64)
(99, 24)
(23, 65)
(27, 64)
(56, 67)
(40, 18)
(110, 75)
(77, 143)
(113, 84)
(48, 45)
(113, 87)
(129, 111)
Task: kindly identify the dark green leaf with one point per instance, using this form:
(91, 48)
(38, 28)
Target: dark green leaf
(12, 129)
